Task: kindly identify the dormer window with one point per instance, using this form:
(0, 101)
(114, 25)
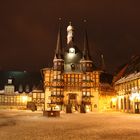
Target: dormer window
(9, 81)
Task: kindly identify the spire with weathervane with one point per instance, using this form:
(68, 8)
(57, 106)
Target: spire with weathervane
(86, 62)
(58, 57)
(58, 51)
(103, 66)
(86, 55)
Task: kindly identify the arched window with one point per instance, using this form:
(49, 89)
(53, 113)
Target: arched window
(121, 103)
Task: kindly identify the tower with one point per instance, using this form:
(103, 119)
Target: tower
(53, 79)
(58, 62)
(72, 54)
(86, 62)
(87, 76)
(57, 80)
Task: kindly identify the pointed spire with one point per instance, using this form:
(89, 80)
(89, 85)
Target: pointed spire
(58, 51)
(86, 55)
(103, 67)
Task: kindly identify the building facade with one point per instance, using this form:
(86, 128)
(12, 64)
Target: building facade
(18, 88)
(72, 84)
(107, 97)
(127, 86)
(128, 93)
(9, 98)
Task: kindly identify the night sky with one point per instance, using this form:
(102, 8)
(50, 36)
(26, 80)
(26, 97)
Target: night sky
(28, 31)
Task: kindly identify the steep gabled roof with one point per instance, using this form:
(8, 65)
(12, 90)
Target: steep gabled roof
(58, 51)
(132, 66)
(86, 55)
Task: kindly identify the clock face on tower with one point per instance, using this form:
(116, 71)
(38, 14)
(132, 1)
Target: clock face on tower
(71, 50)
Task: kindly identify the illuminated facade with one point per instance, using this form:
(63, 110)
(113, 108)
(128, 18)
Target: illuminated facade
(72, 84)
(127, 86)
(107, 97)
(20, 100)
(38, 98)
(18, 88)
(11, 99)
(128, 91)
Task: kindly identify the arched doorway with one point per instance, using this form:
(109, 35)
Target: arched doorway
(121, 104)
(124, 103)
(129, 104)
(72, 103)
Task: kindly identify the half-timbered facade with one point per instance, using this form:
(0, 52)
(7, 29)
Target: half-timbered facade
(127, 86)
(72, 84)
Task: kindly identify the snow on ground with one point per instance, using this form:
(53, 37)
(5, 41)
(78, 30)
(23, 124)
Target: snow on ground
(27, 125)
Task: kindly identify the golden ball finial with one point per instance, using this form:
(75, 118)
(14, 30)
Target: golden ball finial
(85, 20)
(60, 18)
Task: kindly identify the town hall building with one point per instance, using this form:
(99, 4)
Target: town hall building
(73, 84)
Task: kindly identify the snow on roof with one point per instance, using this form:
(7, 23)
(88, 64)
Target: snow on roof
(129, 77)
(1, 91)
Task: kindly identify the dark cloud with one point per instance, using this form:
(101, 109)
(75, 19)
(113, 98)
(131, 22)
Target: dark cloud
(28, 30)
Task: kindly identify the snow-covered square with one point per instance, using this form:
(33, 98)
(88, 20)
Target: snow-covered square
(27, 125)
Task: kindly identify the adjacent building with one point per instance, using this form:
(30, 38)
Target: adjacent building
(127, 86)
(17, 88)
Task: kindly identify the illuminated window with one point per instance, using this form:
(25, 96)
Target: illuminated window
(42, 95)
(69, 79)
(139, 82)
(88, 93)
(9, 89)
(54, 93)
(88, 77)
(58, 92)
(54, 76)
(76, 80)
(97, 76)
(97, 80)
(9, 81)
(84, 77)
(136, 83)
(84, 93)
(34, 95)
(59, 77)
(38, 95)
(2, 99)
